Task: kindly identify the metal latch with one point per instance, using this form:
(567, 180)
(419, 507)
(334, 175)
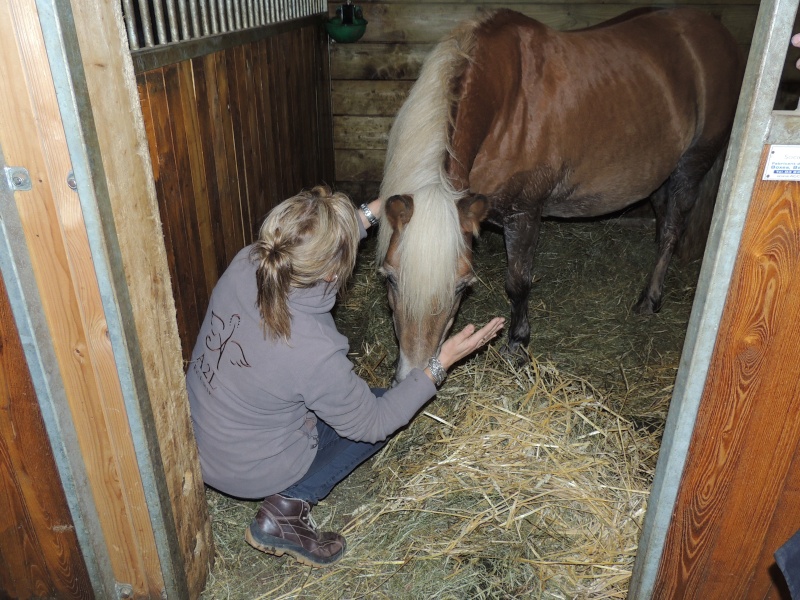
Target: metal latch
(18, 178)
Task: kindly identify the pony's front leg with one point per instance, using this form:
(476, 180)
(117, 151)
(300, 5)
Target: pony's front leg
(521, 233)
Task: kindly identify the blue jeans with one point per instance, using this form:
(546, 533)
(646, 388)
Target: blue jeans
(336, 458)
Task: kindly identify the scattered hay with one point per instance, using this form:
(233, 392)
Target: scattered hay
(515, 482)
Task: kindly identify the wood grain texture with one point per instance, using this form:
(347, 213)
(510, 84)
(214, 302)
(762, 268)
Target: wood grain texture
(738, 498)
(371, 78)
(39, 552)
(231, 135)
(55, 232)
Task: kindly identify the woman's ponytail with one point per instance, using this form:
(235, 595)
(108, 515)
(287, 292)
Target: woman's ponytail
(306, 240)
(274, 281)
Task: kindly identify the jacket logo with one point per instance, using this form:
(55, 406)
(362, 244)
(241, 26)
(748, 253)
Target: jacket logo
(219, 344)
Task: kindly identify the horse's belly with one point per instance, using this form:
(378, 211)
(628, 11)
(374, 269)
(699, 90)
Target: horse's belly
(593, 205)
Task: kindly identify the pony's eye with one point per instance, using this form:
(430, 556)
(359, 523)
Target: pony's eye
(390, 280)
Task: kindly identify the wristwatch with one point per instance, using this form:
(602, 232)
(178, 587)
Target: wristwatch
(437, 370)
(373, 220)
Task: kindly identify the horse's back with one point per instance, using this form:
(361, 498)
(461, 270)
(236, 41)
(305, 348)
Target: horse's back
(578, 113)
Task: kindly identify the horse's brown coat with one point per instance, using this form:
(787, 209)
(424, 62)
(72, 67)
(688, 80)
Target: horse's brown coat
(571, 124)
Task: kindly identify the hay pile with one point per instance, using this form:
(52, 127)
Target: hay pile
(515, 482)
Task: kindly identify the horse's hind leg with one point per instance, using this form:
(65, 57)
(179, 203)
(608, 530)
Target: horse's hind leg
(681, 188)
(521, 233)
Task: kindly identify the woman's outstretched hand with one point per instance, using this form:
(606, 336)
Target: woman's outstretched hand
(467, 341)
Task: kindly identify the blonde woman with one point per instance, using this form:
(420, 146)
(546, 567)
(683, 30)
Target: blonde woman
(278, 411)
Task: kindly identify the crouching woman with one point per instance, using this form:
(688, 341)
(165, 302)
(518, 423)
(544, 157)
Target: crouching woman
(278, 411)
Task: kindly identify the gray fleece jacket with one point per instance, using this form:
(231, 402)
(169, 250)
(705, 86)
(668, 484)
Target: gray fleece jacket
(255, 401)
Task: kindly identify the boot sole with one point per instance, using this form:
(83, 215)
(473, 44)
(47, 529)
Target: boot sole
(279, 547)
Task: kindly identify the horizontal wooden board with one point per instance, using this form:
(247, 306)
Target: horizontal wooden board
(360, 165)
(372, 62)
(359, 191)
(374, 98)
(372, 78)
(357, 133)
(367, 6)
(429, 22)
(377, 61)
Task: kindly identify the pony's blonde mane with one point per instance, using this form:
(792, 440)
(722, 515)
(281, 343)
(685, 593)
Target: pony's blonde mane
(419, 145)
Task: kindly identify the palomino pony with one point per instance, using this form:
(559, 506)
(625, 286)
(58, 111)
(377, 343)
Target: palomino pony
(511, 121)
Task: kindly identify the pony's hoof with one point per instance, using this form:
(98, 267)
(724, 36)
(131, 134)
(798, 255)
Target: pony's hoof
(646, 306)
(516, 353)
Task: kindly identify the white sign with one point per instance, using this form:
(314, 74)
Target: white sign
(783, 164)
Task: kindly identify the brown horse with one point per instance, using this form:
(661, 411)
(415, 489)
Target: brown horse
(511, 121)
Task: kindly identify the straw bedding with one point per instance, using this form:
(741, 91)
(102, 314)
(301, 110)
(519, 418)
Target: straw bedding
(516, 481)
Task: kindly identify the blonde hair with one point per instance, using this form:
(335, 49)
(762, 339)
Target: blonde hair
(306, 239)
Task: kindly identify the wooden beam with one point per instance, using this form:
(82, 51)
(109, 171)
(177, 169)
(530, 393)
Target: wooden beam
(737, 502)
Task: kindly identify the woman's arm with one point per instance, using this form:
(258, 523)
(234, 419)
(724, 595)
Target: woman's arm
(375, 208)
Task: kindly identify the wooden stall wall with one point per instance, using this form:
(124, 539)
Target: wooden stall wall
(739, 498)
(231, 134)
(371, 78)
(39, 555)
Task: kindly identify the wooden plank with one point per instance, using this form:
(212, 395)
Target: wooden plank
(240, 209)
(367, 6)
(208, 153)
(323, 95)
(247, 148)
(195, 142)
(267, 128)
(219, 133)
(360, 165)
(180, 204)
(371, 98)
(738, 483)
(359, 191)
(429, 22)
(32, 134)
(374, 61)
(357, 133)
(146, 83)
(169, 207)
(147, 304)
(40, 551)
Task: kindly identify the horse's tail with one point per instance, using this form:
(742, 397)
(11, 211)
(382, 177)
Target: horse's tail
(416, 159)
(698, 222)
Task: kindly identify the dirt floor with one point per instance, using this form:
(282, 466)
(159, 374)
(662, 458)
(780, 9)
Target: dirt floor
(587, 277)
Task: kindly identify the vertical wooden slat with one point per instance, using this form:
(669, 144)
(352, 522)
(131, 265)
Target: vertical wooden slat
(183, 204)
(217, 106)
(266, 127)
(200, 188)
(32, 135)
(237, 148)
(205, 138)
(247, 160)
(738, 491)
(249, 120)
(37, 535)
(169, 207)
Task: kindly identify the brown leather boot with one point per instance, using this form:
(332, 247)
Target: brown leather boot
(283, 526)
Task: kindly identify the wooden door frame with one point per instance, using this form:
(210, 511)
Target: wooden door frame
(755, 126)
(58, 38)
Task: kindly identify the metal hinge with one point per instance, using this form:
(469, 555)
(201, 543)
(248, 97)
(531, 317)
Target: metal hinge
(18, 178)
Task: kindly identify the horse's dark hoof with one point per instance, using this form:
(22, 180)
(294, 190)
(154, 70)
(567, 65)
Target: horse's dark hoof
(516, 353)
(646, 305)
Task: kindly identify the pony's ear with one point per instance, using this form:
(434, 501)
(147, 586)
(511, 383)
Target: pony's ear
(472, 210)
(399, 210)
